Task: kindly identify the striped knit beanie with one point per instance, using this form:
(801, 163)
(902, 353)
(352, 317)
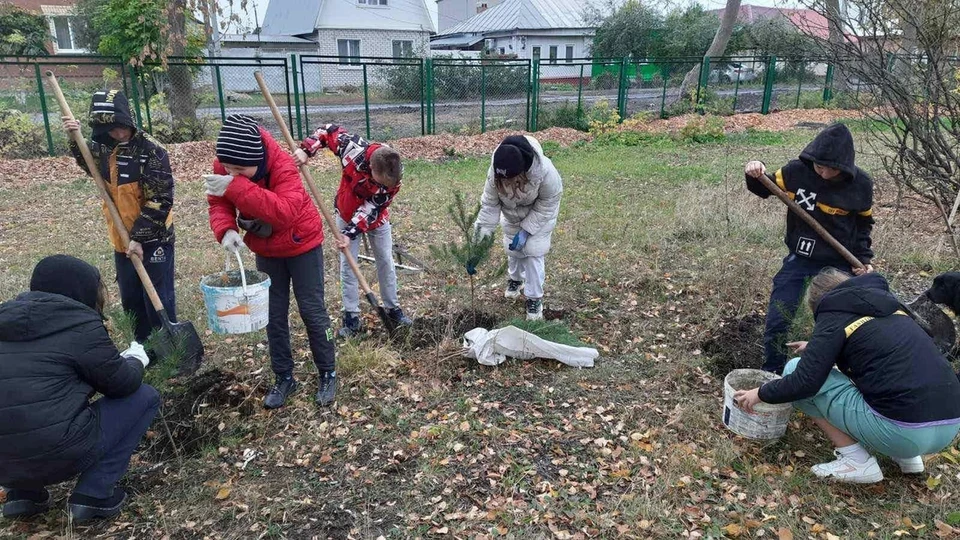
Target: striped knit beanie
(239, 142)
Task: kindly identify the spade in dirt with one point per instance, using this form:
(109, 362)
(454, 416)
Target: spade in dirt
(174, 341)
(928, 315)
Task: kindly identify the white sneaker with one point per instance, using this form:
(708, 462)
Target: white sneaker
(912, 465)
(534, 309)
(512, 291)
(847, 470)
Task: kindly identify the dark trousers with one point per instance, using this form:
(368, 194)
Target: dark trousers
(306, 273)
(123, 423)
(789, 285)
(158, 260)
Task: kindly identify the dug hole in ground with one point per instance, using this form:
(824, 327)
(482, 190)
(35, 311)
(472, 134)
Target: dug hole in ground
(661, 261)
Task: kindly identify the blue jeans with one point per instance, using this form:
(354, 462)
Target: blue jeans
(123, 423)
(788, 287)
(158, 261)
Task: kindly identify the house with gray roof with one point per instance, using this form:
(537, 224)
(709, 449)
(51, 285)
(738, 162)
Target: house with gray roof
(556, 31)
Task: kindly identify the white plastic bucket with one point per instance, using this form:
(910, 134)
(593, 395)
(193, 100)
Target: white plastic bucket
(236, 310)
(767, 421)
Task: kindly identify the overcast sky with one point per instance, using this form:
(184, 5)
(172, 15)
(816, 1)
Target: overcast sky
(260, 8)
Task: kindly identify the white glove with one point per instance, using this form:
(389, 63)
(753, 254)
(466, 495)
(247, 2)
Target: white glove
(232, 241)
(137, 351)
(217, 184)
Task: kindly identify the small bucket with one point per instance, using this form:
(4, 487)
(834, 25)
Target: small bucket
(232, 309)
(767, 421)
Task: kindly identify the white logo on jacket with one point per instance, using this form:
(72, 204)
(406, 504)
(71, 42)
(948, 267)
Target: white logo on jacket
(807, 200)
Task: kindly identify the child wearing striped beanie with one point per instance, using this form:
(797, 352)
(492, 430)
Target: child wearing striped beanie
(256, 187)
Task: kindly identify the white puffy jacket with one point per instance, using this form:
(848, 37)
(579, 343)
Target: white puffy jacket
(535, 209)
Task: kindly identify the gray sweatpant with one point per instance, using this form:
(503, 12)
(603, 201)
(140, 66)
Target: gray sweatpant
(381, 240)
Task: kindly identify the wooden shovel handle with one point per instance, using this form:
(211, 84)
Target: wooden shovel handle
(305, 171)
(769, 183)
(104, 194)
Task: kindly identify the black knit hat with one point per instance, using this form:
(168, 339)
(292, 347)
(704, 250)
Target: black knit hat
(513, 156)
(239, 142)
(67, 276)
(109, 109)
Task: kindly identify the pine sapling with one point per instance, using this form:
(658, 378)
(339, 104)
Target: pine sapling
(473, 249)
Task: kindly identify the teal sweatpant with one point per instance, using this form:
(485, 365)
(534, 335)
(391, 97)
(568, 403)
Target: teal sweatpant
(842, 404)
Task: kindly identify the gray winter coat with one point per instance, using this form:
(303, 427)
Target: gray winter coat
(535, 209)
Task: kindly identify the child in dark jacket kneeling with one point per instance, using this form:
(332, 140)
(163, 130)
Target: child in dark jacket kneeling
(825, 182)
(256, 187)
(55, 354)
(892, 391)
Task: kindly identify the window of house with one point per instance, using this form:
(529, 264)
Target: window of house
(64, 33)
(402, 48)
(536, 53)
(553, 54)
(503, 51)
(569, 54)
(349, 51)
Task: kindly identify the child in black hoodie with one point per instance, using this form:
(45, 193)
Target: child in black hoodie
(892, 390)
(826, 183)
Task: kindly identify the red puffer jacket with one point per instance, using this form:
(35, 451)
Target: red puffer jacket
(279, 199)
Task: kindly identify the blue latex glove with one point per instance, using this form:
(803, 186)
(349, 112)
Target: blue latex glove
(519, 241)
(471, 269)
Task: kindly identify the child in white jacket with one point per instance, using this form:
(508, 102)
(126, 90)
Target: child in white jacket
(522, 192)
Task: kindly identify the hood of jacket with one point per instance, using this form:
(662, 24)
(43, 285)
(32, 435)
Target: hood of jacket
(866, 295)
(109, 109)
(34, 315)
(832, 147)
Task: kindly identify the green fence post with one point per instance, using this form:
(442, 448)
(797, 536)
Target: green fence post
(736, 93)
(528, 89)
(286, 88)
(43, 109)
(483, 97)
(428, 92)
(423, 115)
(146, 106)
(622, 90)
(665, 73)
(828, 85)
(535, 85)
(703, 81)
(223, 110)
(580, 96)
(303, 88)
(800, 85)
(296, 95)
(771, 75)
(366, 100)
(135, 94)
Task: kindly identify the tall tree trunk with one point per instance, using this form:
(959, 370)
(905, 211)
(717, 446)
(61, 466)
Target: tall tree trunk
(719, 44)
(835, 37)
(183, 107)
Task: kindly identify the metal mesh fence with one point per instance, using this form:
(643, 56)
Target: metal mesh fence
(380, 98)
(475, 95)
(572, 92)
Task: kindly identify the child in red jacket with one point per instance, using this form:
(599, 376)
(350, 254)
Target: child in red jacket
(256, 187)
(371, 179)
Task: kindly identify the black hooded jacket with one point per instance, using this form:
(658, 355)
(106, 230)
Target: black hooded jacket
(843, 205)
(861, 329)
(54, 354)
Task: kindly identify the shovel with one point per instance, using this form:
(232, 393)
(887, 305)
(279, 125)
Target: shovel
(928, 315)
(389, 323)
(173, 340)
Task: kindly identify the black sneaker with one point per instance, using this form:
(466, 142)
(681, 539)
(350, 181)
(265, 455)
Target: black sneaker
(328, 388)
(513, 289)
(534, 309)
(279, 393)
(22, 503)
(83, 508)
(398, 317)
(351, 325)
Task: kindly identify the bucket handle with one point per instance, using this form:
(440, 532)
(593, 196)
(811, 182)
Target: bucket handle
(243, 274)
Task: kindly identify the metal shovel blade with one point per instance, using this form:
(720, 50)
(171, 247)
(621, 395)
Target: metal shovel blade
(179, 342)
(938, 324)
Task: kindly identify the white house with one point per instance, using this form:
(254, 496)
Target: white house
(556, 31)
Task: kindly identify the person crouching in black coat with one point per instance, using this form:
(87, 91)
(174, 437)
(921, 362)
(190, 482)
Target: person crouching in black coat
(55, 354)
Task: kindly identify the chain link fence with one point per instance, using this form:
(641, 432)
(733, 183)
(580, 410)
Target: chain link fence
(187, 99)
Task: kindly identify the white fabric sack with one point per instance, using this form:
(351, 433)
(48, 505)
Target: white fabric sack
(492, 347)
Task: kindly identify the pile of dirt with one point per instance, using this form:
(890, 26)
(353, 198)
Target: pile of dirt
(445, 145)
(232, 278)
(777, 121)
(188, 420)
(734, 344)
(431, 331)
